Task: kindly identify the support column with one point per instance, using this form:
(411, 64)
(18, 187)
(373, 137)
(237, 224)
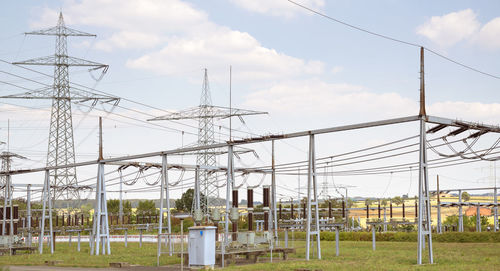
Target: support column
(229, 184)
(385, 219)
(373, 238)
(312, 227)
(478, 218)
(495, 209)
(47, 202)
(100, 229)
(273, 196)
(439, 223)
(460, 213)
(28, 214)
(120, 207)
(424, 216)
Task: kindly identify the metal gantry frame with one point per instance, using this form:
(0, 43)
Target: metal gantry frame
(423, 184)
(312, 227)
(47, 203)
(460, 205)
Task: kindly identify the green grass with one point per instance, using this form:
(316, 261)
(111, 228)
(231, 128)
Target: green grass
(353, 256)
(390, 256)
(145, 256)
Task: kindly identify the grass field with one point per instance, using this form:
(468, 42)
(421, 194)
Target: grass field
(353, 256)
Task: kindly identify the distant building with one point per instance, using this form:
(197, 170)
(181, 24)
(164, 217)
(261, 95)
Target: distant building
(472, 211)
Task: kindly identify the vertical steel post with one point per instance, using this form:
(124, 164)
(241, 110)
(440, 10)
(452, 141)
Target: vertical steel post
(373, 237)
(47, 202)
(439, 223)
(120, 211)
(478, 218)
(312, 200)
(229, 183)
(28, 215)
(460, 215)
(337, 241)
(385, 219)
(495, 209)
(424, 216)
(273, 195)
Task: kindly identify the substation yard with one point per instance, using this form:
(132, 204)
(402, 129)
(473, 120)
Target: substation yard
(353, 256)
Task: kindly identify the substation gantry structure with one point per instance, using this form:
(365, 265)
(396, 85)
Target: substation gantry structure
(101, 232)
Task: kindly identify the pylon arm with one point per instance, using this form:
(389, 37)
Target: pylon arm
(214, 112)
(9, 155)
(60, 30)
(79, 96)
(55, 60)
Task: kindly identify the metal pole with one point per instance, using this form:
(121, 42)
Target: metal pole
(228, 195)
(478, 218)
(79, 239)
(273, 195)
(460, 216)
(160, 222)
(182, 245)
(336, 241)
(495, 200)
(373, 238)
(169, 220)
(385, 219)
(121, 198)
(28, 216)
(439, 223)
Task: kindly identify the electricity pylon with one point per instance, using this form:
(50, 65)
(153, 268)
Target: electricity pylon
(61, 149)
(206, 113)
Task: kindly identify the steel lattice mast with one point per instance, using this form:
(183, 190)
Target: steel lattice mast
(61, 149)
(206, 113)
(209, 184)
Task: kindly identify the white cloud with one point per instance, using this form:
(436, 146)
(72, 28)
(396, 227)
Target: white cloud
(181, 39)
(281, 8)
(314, 97)
(451, 28)
(454, 27)
(473, 111)
(127, 39)
(220, 49)
(489, 36)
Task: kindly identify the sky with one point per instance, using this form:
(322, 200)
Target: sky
(306, 71)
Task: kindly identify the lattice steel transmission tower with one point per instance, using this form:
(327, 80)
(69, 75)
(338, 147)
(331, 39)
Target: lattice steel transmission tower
(61, 149)
(206, 113)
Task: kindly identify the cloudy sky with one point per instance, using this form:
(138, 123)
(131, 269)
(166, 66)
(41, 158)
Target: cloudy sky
(306, 71)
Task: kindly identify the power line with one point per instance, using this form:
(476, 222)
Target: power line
(393, 39)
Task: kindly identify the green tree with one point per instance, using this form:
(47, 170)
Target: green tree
(369, 201)
(147, 207)
(397, 200)
(185, 203)
(114, 206)
(465, 196)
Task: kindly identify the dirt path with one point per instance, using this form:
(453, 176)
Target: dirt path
(140, 268)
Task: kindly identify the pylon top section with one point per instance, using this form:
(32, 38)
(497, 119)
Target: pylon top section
(60, 30)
